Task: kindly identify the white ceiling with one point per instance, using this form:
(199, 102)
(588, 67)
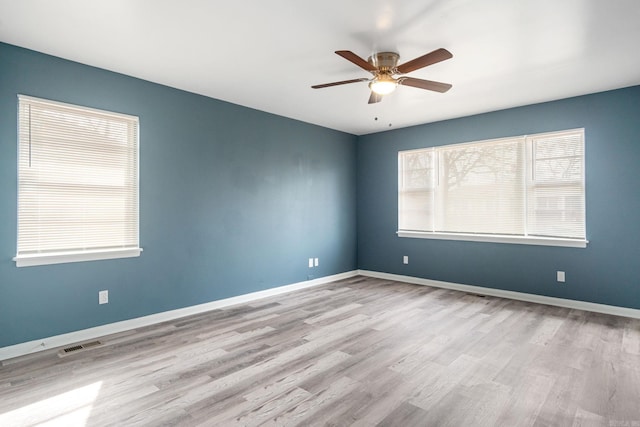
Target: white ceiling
(266, 54)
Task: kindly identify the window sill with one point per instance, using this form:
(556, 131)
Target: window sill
(65, 257)
(519, 240)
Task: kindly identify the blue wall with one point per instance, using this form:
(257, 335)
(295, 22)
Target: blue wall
(235, 200)
(607, 271)
(232, 201)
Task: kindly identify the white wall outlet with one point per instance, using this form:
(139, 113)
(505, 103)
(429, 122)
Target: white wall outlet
(315, 262)
(103, 297)
(310, 262)
(405, 259)
(560, 276)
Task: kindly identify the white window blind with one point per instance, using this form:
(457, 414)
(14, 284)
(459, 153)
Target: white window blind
(77, 183)
(556, 189)
(527, 189)
(417, 185)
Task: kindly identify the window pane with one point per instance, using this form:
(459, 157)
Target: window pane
(557, 211)
(415, 196)
(417, 212)
(481, 189)
(417, 170)
(556, 194)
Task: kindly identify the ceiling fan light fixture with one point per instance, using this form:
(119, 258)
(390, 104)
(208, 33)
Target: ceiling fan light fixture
(383, 85)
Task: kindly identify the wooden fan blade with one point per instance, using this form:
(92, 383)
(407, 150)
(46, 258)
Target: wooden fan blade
(344, 82)
(425, 84)
(434, 57)
(374, 98)
(350, 56)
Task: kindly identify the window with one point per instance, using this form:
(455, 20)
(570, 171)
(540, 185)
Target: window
(527, 189)
(77, 184)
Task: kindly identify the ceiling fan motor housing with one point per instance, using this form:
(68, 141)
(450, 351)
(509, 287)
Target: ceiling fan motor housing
(384, 61)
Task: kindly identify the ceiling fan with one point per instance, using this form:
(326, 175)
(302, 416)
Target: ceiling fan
(383, 66)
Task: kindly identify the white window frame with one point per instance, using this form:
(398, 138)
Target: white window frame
(494, 238)
(33, 255)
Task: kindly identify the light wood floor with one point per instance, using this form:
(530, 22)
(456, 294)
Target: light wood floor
(356, 352)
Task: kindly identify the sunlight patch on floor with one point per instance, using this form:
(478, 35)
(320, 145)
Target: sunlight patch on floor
(67, 409)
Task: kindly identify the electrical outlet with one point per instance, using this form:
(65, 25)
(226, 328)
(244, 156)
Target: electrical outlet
(315, 262)
(310, 262)
(103, 297)
(560, 276)
(405, 259)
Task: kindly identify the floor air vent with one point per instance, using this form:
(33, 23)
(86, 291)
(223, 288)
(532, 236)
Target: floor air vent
(78, 348)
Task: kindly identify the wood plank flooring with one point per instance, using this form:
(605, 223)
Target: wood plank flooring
(359, 352)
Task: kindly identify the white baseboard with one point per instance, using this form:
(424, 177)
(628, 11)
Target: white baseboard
(125, 325)
(540, 299)
(29, 347)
